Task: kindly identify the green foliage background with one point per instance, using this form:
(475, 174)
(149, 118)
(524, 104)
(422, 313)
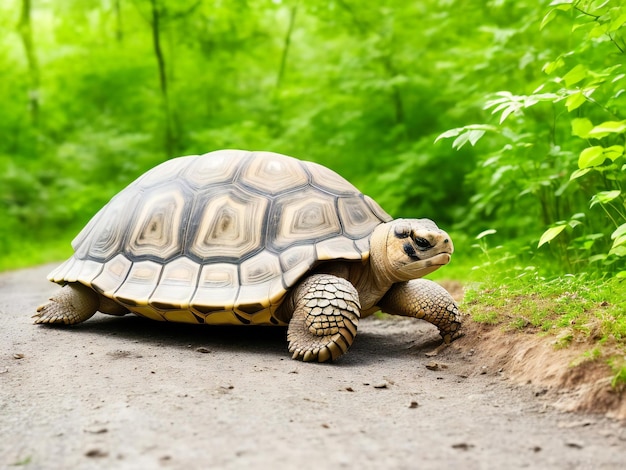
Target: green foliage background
(94, 92)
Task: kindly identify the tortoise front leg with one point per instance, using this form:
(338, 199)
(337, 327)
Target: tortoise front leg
(421, 298)
(326, 313)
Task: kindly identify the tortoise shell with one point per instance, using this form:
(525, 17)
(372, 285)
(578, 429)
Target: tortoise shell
(220, 238)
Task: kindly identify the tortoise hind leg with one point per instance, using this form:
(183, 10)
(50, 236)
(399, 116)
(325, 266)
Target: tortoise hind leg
(111, 307)
(325, 317)
(75, 303)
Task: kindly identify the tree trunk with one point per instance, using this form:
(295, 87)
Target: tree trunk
(119, 30)
(396, 94)
(26, 33)
(286, 44)
(158, 52)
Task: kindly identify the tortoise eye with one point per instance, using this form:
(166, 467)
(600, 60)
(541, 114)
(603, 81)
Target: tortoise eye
(402, 231)
(422, 242)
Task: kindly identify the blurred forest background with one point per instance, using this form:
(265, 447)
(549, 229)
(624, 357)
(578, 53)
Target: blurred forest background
(503, 120)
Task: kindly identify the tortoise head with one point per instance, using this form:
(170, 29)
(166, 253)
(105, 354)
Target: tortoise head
(405, 249)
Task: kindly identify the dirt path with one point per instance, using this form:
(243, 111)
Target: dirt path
(128, 393)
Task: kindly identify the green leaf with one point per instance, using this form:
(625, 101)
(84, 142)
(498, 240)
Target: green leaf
(551, 234)
(547, 18)
(618, 251)
(552, 66)
(599, 30)
(574, 223)
(460, 141)
(471, 134)
(592, 156)
(619, 242)
(614, 152)
(563, 5)
(575, 75)
(578, 173)
(596, 258)
(475, 131)
(617, 78)
(449, 133)
(604, 197)
(606, 128)
(485, 233)
(581, 127)
(474, 136)
(619, 232)
(617, 23)
(508, 111)
(575, 100)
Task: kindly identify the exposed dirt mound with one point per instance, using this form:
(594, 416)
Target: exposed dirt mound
(572, 383)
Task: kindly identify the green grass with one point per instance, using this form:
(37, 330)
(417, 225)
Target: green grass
(565, 309)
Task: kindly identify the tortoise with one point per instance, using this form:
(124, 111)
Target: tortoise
(254, 238)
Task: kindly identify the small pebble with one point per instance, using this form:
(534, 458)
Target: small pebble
(97, 431)
(18, 356)
(96, 453)
(574, 445)
(462, 446)
(413, 404)
(203, 350)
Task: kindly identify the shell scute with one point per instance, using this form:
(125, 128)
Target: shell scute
(357, 214)
(329, 181)
(307, 216)
(214, 168)
(141, 281)
(229, 223)
(112, 276)
(284, 175)
(218, 286)
(160, 227)
(337, 248)
(177, 284)
(295, 262)
(101, 239)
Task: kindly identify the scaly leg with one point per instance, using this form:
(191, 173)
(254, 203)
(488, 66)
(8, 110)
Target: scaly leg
(326, 314)
(421, 298)
(75, 303)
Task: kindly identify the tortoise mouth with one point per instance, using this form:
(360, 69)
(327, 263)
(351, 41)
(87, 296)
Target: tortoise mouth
(442, 258)
(423, 267)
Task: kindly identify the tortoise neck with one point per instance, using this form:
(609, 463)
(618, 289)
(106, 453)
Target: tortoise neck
(376, 279)
(380, 264)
